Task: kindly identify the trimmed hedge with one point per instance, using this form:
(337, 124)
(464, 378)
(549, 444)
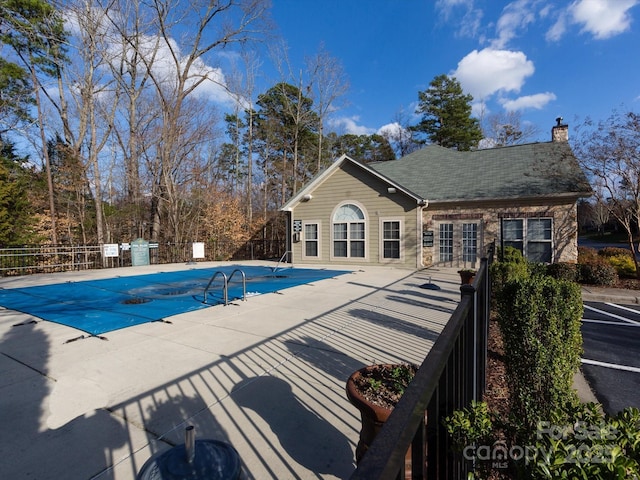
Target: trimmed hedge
(539, 318)
(564, 271)
(624, 265)
(600, 273)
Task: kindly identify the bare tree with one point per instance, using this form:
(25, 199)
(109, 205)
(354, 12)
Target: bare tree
(189, 32)
(608, 151)
(328, 84)
(88, 99)
(134, 39)
(400, 136)
(507, 128)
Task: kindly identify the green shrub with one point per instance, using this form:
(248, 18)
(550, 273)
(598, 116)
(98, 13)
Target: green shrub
(586, 444)
(623, 264)
(537, 269)
(591, 445)
(504, 272)
(511, 255)
(563, 271)
(598, 273)
(539, 318)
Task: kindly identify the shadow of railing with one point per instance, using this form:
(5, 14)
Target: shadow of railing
(268, 373)
(452, 374)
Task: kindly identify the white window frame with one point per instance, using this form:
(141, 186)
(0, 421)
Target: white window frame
(526, 241)
(349, 240)
(317, 240)
(450, 242)
(469, 243)
(400, 240)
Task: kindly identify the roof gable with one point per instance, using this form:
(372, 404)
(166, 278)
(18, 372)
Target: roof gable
(325, 174)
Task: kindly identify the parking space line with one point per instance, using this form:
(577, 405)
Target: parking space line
(622, 307)
(626, 368)
(612, 315)
(610, 322)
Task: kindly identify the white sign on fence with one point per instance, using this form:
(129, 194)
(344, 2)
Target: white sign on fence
(198, 249)
(110, 249)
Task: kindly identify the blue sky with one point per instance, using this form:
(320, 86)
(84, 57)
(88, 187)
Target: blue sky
(544, 59)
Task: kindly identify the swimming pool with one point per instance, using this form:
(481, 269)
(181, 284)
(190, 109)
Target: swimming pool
(101, 306)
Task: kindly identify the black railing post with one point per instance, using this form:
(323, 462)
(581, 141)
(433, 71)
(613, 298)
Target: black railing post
(469, 385)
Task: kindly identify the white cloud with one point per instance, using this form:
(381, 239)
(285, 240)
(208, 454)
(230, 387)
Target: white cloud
(558, 29)
(446, 7)
(350, 125)
(470, 21)
(602, 18)
(479, 109)
(537, 102)
(485, 72)
(515, 16)
(394, 132)
(391, 130)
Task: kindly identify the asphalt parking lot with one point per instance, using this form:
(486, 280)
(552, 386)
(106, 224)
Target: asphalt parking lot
(611, 358)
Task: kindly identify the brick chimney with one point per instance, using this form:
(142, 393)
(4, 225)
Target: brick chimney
(560, 131)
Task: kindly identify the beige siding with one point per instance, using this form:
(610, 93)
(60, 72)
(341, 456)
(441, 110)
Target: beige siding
(350, 184)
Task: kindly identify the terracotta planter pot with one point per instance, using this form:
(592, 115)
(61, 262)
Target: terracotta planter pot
(466, 278)
(372, 416)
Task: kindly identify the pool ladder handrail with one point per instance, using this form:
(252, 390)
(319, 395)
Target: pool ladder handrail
(275, 269)
(225, 286)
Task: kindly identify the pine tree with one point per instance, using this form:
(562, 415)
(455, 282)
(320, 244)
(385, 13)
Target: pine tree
(446, 114)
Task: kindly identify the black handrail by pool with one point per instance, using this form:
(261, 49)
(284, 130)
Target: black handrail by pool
(452, 374)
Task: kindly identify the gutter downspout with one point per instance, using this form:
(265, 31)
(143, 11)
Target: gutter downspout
(422, 205)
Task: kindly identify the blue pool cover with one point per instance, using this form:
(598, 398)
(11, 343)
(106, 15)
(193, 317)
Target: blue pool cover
(100, 306)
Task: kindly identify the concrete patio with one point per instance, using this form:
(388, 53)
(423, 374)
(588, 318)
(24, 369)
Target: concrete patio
(266, 375)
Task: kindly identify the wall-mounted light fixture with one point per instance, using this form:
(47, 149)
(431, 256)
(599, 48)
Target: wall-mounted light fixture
(307, 197)
(391, 190)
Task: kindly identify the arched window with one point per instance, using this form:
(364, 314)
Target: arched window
(349, 232)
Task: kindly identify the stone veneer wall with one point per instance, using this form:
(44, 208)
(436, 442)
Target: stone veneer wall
(565, 228)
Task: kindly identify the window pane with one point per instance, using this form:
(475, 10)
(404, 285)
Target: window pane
(539, 229)
(311, 249)
(469, 242)
(391, 230)
(356, 231)
(539, 252)
(446, 242)
(311, 231)
(357, 249)
(340, 231)
(349, 213)
(512, 230)
(391, 249)
(339, 249)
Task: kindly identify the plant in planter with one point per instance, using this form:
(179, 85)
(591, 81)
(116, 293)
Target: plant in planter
(375, 390)
(466, 276)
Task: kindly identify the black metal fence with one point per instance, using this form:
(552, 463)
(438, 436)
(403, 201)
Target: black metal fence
(452, 374)
(59, 258)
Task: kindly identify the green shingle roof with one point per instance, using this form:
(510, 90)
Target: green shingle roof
(520, 171)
